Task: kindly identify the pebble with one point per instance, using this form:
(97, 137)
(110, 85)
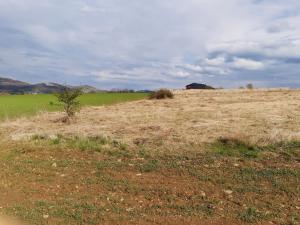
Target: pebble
(45, 216)
(129, 209)
(202, 193)
(228, 192)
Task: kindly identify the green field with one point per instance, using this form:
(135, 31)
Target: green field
(12, 106)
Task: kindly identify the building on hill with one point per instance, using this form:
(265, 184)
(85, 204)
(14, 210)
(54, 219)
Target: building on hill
(198, 86)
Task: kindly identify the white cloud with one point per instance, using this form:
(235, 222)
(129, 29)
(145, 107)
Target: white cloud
(247, 64)
(219, 61)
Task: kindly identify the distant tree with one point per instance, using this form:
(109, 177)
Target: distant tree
(249, 86)
(69, 99)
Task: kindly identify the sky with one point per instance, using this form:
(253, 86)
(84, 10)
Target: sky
(143, 44)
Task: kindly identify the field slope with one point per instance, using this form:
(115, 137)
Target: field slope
(204, 157)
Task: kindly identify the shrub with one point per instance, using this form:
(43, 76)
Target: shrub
(161, 94)
(250, 86)
(68, 98)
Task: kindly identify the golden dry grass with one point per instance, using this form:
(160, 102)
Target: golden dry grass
(193, 117)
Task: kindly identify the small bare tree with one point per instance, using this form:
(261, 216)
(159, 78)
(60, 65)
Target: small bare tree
(69, 99)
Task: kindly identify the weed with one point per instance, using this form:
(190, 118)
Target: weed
(235, 148)
(250, 215)
(149, 166)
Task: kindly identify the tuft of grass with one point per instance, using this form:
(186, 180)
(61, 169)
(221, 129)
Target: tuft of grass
(288, 150)
(251, 215)
(93, 144)
(90, 144)
(235, 147)
(149, 166)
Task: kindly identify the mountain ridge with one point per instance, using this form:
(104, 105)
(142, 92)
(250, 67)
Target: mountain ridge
(12, 86)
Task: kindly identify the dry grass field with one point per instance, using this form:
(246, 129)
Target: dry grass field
(192, 118)
(205, 157)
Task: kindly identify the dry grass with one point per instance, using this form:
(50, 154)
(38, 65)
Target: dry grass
(193, 118)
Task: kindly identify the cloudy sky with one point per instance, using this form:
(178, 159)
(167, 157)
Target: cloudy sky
(150, 44)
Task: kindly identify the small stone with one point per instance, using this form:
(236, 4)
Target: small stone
(53, 137)
(62, 175)
(228, 192)
(119, 160)
(45, 216)
(129, 209)
(236, 165)
(139, 174)
(54, 165)
(202, 193)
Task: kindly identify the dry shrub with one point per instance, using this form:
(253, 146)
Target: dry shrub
(161, 94)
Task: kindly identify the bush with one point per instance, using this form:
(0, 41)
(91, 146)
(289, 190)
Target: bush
(250, 86)
(68, 98)
(161, 94)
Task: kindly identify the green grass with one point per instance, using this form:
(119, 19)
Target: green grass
(235, 148)
(238, 148)
(12, 106)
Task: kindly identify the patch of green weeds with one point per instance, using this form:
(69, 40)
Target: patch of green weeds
(234, 148)
(238, 148)
(149, 166)
(251, 215)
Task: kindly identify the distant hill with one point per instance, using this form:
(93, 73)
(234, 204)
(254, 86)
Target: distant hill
(10, 86)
